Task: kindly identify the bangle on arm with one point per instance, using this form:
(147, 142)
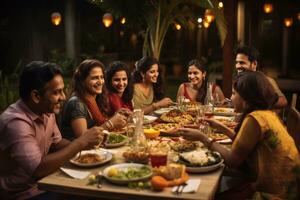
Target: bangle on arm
(109, 125)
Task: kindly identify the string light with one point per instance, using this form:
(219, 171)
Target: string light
(220, 5)
(177, 26)
(123, 20)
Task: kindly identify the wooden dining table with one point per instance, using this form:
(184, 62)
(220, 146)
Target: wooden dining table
(60, 182)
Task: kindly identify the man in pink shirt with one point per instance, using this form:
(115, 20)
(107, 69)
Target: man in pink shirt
(28, 131)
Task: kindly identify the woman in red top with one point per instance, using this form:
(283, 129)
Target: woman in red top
(119, 86)
(195, 89)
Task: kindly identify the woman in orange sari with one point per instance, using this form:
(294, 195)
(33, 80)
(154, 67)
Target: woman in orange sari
(261, 143)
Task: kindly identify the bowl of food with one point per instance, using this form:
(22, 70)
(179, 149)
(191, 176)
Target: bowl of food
(136, 156)
(151, 133)
(91, 158)
(115, 140)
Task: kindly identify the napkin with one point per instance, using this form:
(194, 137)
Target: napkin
(192, 186)
(75, 173)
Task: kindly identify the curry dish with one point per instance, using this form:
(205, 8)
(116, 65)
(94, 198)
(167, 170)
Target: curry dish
(89, 158)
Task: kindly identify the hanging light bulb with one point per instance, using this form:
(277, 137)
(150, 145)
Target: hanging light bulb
(107, 20)
(123, 20)
(199, 20)
(209, 15)
(288, 22)
(298, 16)
(268, 8)
(206, 24)
(56, 18)
(177, 26)
(220, 5)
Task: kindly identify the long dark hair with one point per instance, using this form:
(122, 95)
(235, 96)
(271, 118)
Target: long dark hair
(142, 66)
(79, 76)
(256, 90)
(112, 69)
(201, 65)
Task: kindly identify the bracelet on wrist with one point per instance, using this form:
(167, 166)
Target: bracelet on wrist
(107, 125)
(111, 124)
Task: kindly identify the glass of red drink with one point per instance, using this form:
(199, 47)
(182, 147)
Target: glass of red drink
(158, 159)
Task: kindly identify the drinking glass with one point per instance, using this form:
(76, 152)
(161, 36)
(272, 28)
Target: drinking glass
(181, 103)
(158, 157)
(209, 110)
(200, 113)
(130, 129)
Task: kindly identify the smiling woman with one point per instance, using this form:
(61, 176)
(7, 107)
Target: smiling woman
(119, 86)
(195, 89)
(148, 93)
(88, 106)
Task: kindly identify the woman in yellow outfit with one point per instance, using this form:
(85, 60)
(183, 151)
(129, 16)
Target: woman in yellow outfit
(262, 144)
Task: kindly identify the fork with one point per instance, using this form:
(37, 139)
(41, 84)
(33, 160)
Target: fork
(99, 177)
(180, 188)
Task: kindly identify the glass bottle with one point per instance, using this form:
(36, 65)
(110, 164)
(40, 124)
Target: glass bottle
(209, 101)
(139, 140)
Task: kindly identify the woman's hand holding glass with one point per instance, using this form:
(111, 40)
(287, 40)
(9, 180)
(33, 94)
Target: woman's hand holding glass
(118, 121)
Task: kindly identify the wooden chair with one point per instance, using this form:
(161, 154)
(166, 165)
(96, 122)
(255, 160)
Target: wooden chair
(293, 125)
(294, 100)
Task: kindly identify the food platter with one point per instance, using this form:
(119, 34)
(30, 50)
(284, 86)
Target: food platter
(183, 145)
(115, 140)
(176, 116)
(229, 121)
(127, 172)
(164, 110)
(119, 131)
(148, 119)
(103, 157)
(167, 128)
(225, 141)
(204, 169)
(201, 160)
(224, 111)
(217, 136)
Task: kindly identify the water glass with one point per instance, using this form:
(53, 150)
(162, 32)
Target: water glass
(181, 103)
(130, 129)
(200, 113)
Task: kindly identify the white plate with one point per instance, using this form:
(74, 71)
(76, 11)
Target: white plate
(108, 157)
(113, 145)
(148, 119)
(164, 110)
(225, 141)
(224, 118)
(224, 111)
(125, 166)
(204, 169)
